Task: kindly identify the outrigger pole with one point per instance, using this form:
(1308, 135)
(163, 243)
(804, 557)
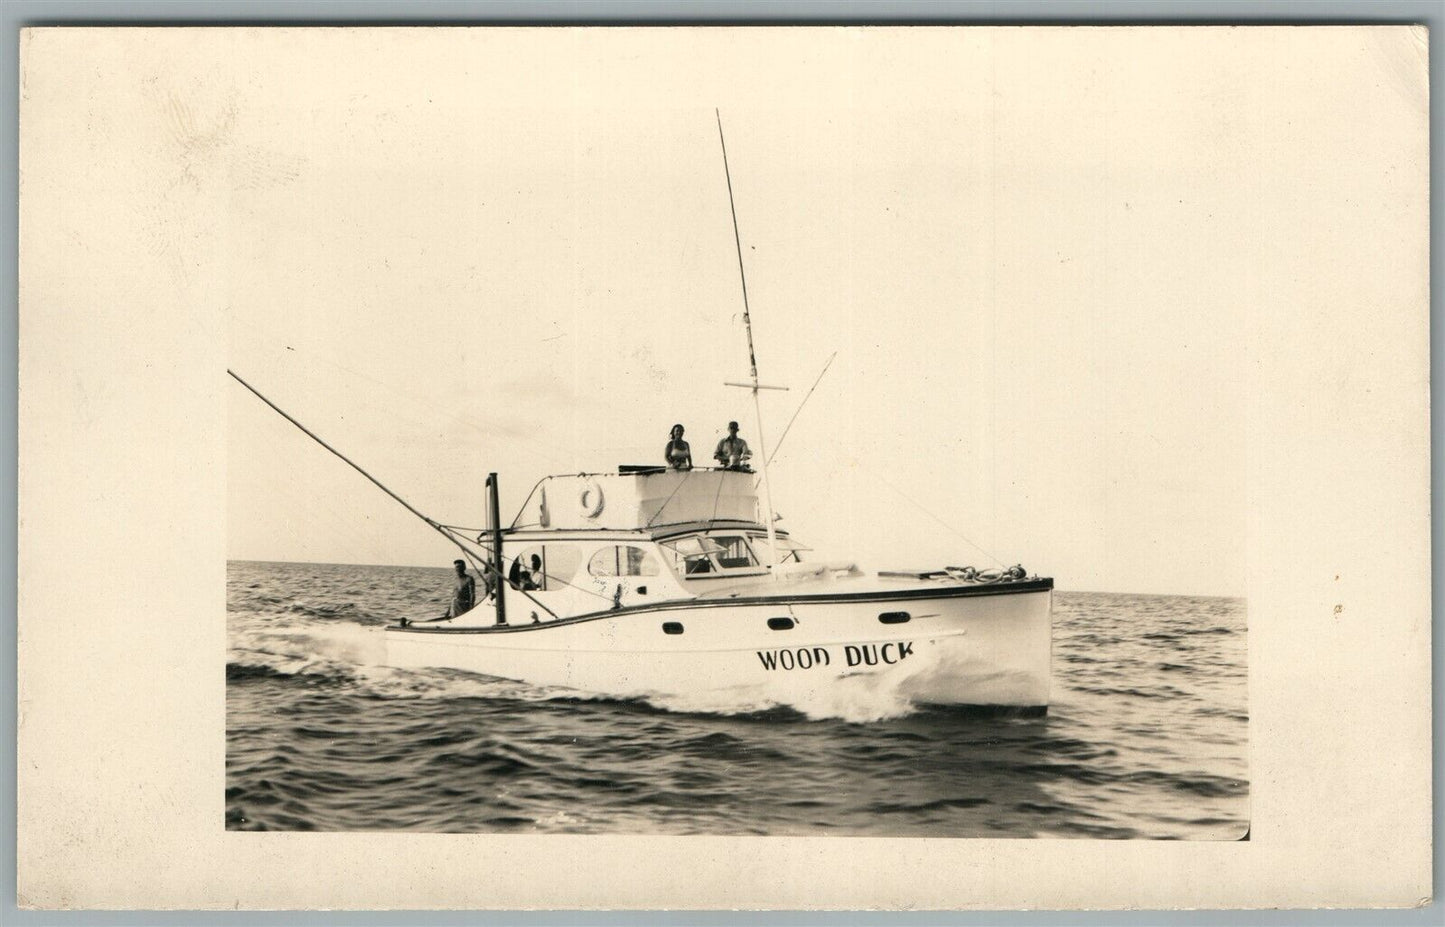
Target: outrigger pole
(353, 464)
(494, 561)
(752, 359)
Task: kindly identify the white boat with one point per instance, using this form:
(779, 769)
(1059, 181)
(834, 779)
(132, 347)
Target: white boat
(663, 582)
(656, 582)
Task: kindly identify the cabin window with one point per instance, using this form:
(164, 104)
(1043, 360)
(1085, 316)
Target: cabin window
(622, 561)
(544, 568)
(735, 552)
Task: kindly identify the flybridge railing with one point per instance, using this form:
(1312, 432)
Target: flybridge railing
(639, 498)
(533, 504)
(644, 469)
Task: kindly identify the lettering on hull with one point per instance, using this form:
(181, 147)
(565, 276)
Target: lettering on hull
(803, 658)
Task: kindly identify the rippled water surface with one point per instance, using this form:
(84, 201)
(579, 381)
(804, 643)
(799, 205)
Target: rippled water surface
(1145, 737)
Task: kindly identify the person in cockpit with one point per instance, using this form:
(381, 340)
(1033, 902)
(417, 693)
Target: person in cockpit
(464, 591)
(523, 578)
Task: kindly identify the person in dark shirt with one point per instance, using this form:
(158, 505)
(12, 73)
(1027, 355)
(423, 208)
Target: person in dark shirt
(464, 592)
(677, 454)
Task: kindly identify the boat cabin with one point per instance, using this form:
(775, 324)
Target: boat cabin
(595, 541)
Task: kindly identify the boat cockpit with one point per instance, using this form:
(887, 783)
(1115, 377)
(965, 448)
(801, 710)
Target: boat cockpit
(700, 553)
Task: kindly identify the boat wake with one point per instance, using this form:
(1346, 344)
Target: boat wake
(857, 699)
(356, 655)
(305, 648)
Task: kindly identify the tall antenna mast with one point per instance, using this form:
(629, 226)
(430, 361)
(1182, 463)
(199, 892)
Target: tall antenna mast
(755, 386)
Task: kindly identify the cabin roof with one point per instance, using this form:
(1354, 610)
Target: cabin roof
(655, 533)
(642, 500)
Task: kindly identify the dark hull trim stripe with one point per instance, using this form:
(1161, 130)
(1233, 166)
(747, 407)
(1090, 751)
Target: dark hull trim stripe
(944, 592)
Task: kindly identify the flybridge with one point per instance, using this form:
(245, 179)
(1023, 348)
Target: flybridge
(633, 501)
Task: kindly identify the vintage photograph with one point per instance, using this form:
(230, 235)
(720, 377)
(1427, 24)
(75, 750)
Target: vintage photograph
(785, 469)
(689, 466)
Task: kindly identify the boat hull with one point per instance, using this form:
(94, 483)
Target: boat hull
(989, 647)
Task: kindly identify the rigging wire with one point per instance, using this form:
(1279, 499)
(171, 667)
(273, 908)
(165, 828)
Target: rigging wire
(945, 524)
(716, 501)
(800, 407)
(465, 530)
(663, 507)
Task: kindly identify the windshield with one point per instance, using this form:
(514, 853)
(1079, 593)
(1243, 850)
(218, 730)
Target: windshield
(789, 551)
(725, 553)
(692, 555)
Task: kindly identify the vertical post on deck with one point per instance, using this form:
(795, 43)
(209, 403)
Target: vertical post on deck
(494, 515)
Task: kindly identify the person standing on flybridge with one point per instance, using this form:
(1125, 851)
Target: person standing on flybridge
(464, 594)
(732, 451)
(677, 454)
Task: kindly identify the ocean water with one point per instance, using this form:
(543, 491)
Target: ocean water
(1146, 736)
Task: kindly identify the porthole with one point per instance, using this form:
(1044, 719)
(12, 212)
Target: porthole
(894, 617)
(672, 627)
(780, 624)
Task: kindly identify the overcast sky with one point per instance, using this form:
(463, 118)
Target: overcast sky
(497, 251)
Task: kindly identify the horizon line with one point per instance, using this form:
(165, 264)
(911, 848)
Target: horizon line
(448, 566)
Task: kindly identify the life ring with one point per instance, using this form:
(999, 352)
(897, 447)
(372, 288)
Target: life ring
(590, 499)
